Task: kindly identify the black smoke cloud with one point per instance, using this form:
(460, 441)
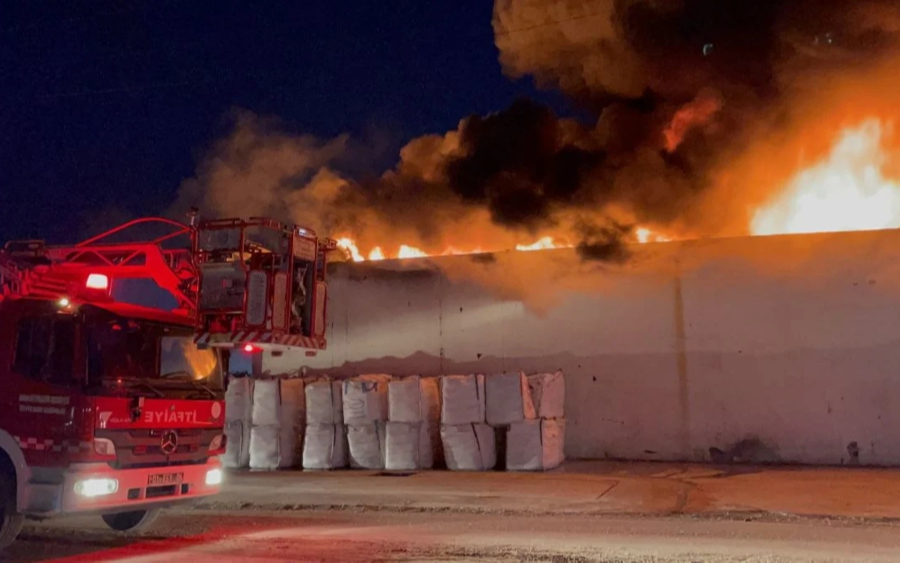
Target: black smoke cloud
(516, 164)
(682, 88)
(676, 89)
(667, 51)
(533, 171)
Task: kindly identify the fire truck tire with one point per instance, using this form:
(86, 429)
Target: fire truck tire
(10, 520)
(131, 521)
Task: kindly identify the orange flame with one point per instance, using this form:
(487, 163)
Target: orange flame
(348, 244)
(410, 252)
(543, 243)
(697, 112)
(845, 191)
(856, 186)
(645, 235)
(350, 247)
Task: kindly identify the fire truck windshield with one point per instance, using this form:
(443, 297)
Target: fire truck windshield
(123, 349)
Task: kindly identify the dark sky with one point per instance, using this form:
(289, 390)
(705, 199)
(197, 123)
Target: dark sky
(107, 105)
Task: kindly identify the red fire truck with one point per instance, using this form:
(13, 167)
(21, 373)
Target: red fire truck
(113, 399)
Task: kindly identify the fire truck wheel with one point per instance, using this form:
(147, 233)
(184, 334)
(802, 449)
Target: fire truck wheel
(131, 521)
(10, 519)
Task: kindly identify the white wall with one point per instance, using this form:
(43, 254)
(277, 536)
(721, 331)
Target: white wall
(791, 341)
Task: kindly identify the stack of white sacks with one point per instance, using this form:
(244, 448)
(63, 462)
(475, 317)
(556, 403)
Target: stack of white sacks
(413, 428)
(531, 409)
(409, 423)
(365, 415)
(469, 443)
(277, 423)
(238, 409)
(325, 442)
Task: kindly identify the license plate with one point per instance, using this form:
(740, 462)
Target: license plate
(165, 479)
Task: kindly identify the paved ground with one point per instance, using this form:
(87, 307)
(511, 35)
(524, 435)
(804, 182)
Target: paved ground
(371, 536)
(582, 488)
(586, 512)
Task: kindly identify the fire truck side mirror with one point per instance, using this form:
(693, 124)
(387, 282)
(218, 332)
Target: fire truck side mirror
(225, 359)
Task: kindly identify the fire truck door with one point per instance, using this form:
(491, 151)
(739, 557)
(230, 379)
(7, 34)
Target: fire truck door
(41, 384)
(305, 252)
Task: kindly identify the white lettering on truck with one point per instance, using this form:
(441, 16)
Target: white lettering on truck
(41, 410)
(45, 399)
(38, 404)
(170, 416)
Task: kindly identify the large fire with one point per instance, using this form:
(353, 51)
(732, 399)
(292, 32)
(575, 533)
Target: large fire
(349, 245)
(850, 189)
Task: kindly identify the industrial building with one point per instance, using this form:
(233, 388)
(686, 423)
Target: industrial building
(756, 349)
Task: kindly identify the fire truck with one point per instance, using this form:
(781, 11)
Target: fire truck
(114, 354)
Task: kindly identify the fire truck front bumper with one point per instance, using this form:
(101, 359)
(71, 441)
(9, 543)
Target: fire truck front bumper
(97, 487)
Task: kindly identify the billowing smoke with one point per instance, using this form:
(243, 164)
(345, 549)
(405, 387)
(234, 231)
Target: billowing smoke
(693, 103)
(687, 92)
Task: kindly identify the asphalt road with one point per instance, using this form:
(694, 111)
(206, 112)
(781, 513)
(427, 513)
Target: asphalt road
(446, 536)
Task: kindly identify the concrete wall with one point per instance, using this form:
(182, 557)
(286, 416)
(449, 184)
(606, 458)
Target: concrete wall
(789, 344)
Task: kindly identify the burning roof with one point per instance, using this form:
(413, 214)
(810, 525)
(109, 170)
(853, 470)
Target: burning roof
(707, 118)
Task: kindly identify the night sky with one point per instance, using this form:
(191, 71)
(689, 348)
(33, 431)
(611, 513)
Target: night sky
(106, 106)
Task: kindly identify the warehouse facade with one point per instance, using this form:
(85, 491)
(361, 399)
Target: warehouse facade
(759, 349)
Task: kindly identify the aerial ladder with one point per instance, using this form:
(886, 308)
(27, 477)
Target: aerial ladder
(244, 282)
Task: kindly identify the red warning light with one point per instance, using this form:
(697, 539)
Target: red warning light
(250, 348)
(97, 281)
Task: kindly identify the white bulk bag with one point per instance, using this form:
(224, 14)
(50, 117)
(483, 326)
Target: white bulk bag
(414, 399)
(266, 402)
(274, 447)
(291, 440)
(366, 443)
(462, 399)
(535, 445)
(323, 402)
(507, 399)
(548, 391)
(324, 446)
(238, 398)
(265, 447)
(237, 444)
(365, 399)
(469, 447)
(293, 402)
(411, 445)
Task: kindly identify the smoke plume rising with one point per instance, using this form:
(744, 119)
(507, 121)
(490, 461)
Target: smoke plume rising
(699, 109)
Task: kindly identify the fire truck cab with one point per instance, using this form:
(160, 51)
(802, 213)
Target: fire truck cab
(115, 407)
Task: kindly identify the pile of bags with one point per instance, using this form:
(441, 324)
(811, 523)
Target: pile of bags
(276, 423)
(466, 422)
(325, 442)
(526, 412)
(535, 427)
(469, 443)
(238, 410)
(413, 427)
(365, 414)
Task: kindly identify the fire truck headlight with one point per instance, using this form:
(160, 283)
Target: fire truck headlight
(96, 487)
(104, 446)
(214, 477)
